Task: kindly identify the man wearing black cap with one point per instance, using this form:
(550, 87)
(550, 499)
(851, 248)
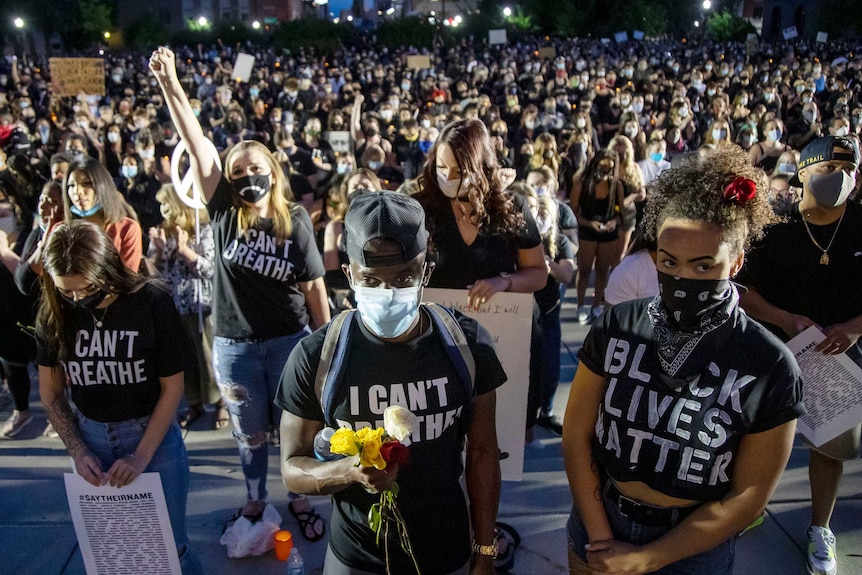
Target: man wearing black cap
(807, 271)
(397, 351)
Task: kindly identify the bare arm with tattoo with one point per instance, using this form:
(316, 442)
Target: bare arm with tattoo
(53, 394)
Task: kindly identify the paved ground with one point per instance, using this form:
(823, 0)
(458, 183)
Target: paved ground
(37, 536)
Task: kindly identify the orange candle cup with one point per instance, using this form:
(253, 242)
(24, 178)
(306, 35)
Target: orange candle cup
(283, 544)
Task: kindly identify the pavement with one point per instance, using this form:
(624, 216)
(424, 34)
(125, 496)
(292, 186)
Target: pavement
(37, 536)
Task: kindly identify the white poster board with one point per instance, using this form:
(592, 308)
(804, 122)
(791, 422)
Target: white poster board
(497, 36)
(790, 33)
(339, 140)
(242, 67)
(123, 529)
(822, 37)
(638, 34)
(830, 389)
(621, 37)
(508, 318)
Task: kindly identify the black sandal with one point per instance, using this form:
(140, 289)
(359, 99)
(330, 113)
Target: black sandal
(190, 415)
(308, 519)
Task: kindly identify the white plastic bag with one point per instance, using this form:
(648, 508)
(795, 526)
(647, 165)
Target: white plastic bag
(243, 538)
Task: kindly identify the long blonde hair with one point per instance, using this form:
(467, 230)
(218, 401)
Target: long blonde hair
(629, 171)
(180, 214)
(544, 142)
(280, 194)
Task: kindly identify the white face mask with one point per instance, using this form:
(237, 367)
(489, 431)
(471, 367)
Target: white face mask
(7, 224)
(452, 189)
(544, 226)
(581, 123)
(842, 131)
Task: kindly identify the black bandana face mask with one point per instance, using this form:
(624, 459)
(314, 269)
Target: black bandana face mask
(251, 188)
(688, 301)
(89, 302)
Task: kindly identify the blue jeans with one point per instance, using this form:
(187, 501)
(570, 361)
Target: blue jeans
(112, 441)
(247, 373)
(551, 342)
(716, 561)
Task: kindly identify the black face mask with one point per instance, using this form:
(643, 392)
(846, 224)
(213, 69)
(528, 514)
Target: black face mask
(89, 302)
(688, 300)
(251, 188)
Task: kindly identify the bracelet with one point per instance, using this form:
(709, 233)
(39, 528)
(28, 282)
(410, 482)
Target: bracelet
(508, 277)
(487, 550)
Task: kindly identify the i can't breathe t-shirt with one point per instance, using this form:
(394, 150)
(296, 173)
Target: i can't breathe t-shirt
(113, 371)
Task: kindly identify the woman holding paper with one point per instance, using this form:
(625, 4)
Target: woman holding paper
(118, 342)
(682, 412)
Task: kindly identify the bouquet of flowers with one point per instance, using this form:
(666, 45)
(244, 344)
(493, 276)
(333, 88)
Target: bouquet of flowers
(379, 448)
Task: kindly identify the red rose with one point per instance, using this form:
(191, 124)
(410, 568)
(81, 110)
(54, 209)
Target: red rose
(740, 191)
(395, 453)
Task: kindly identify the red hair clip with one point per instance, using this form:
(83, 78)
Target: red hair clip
(740, 191)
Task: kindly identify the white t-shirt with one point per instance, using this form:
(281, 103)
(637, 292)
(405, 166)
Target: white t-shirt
(635, 278)
(650, 170)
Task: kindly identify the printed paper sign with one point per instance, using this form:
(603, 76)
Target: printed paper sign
(790, 33)
(621, 37)
(339, 140)
(418, 62)
(242, 67)
(123, 529)
(71, 76)
(497, 36)
(638, 34)
(822, 37)
(508, 318)
(830, 389)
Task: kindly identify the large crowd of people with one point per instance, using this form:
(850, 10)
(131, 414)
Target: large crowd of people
(595, 163)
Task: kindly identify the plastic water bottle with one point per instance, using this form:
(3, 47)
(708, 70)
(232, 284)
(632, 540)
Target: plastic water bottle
(321, 445)
(295, 563)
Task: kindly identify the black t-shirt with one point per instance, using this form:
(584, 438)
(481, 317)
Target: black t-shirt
(419, 376)
(785, 268)
(256, 290)
(17, 308)
(459, 265)
(682, 442)
(549, 296)
(114, 371)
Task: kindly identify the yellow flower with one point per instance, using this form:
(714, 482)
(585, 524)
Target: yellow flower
(344, 442)
(371, 440)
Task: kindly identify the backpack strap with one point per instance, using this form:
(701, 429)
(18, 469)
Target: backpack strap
(334, 348)
(455, 343)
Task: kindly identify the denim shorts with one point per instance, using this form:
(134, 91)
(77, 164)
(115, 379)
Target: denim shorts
(716, 561)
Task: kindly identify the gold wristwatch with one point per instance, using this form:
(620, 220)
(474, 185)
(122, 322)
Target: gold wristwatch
(488, 550)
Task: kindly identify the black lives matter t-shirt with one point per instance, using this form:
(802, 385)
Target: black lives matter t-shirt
(419, 376)
(460, 265)
(785, 269)
(113, 371)
(256, 290)
(682, 442)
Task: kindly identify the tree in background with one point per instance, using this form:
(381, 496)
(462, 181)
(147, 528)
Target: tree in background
(725, 27)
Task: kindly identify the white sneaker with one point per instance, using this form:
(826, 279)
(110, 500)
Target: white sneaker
(821, 551)
(583, 315)
(15, 424)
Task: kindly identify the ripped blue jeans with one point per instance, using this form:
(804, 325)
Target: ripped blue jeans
(247, 373)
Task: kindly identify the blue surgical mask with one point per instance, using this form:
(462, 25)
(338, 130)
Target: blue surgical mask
(388, 313)
(374, 166)
(76, 211)
(129, 171)
(425, 145)
(656, 157)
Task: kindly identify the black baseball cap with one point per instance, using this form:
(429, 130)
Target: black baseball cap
(824, 149)
(389, 216)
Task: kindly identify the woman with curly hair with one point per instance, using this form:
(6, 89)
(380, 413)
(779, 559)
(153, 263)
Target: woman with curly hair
(682, 412)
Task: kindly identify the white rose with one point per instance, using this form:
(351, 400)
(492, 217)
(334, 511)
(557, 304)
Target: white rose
(399, 422)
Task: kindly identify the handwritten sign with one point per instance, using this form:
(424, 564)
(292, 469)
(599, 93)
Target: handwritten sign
(508, 318)
(123, 529)
(71, 76)
(418, 62)
(830, 388)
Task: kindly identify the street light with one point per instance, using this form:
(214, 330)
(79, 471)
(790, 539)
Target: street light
(107, 35)
(255, 25)
(707, 4)
(19, 23)
(507, 11)
(696, 24)
(203, 21)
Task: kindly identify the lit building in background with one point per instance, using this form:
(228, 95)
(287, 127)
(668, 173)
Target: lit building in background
(175, 16)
